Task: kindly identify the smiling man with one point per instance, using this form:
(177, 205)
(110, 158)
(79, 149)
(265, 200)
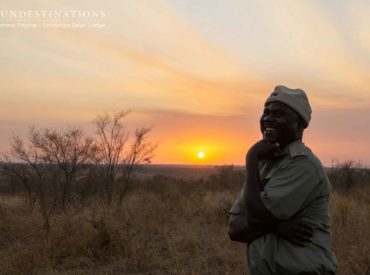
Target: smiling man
(283, 209)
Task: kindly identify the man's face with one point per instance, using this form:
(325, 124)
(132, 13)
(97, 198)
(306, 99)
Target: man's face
(279, 123)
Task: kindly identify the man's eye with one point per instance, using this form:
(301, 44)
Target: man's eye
(278, 113)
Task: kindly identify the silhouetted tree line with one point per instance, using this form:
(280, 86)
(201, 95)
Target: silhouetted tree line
(49, 164)
(348, 175)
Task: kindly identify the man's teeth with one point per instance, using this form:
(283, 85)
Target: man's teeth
(270, 129)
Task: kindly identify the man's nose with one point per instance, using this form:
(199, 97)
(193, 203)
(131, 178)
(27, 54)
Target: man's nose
(268, 117)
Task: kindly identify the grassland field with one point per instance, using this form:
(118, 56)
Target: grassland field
(173, 220)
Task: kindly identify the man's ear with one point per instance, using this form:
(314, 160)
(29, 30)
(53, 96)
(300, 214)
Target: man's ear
(300, 127)
(301, 124)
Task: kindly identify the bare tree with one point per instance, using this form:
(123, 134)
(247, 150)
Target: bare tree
(111, 141)
(47, 153)
(21, 173)
(36, 162)
(140, 152)
(68, 150)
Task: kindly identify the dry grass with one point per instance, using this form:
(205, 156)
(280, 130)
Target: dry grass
(162, 227)
(351, 231)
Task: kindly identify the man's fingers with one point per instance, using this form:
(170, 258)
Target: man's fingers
(296, 231)
(304, 232)
(300, 239)
(307, 232)
(305, 226)
(303, 237)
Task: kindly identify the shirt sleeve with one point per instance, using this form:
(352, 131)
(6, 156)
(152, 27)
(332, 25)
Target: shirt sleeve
(239, 205)
(288, 189)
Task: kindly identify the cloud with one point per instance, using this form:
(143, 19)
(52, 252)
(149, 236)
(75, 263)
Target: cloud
(178, 70)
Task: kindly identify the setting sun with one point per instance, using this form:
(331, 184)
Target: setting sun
(201, 155)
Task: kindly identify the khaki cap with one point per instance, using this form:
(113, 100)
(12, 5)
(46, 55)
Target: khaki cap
(295, 99)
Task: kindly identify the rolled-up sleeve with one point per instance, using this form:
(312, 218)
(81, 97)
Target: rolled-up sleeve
(287, 191)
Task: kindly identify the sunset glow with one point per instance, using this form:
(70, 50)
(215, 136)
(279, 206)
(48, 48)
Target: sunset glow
(201, 155)
(197, 71)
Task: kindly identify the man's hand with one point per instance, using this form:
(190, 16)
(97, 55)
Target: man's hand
(264, 150)
(295, 230)
(241, 231)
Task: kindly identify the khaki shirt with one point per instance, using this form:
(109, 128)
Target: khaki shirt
(293, 181)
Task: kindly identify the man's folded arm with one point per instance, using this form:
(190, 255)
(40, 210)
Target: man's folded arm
(293, 230)
(241, 231)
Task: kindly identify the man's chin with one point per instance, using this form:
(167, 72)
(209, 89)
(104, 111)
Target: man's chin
(270, 138)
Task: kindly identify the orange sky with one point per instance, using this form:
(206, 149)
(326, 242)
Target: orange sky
(198, 71)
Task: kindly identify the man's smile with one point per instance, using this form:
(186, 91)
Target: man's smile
(269, 130)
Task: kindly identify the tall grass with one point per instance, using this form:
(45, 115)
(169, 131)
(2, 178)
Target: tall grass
(164, 226)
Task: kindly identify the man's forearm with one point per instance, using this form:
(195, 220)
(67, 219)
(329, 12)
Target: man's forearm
(241, 231)
(252, 185)
(256, 210)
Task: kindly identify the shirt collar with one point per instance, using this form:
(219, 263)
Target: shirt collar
(293, 149)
